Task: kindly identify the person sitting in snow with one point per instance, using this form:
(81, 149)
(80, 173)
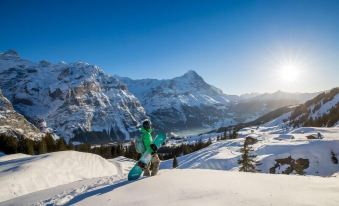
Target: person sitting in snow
(146, 131)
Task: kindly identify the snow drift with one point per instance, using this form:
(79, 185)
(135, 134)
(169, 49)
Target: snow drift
(28, 174)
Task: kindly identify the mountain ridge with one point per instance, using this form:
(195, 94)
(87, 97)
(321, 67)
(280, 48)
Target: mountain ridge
(76, 99)
(79, 101)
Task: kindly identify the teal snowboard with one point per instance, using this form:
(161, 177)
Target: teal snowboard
(136, 171)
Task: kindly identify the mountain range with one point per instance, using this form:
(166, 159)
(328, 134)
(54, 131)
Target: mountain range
(76, 100)
(80, 102)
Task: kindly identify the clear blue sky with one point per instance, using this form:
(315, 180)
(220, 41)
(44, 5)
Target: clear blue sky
(238, 46)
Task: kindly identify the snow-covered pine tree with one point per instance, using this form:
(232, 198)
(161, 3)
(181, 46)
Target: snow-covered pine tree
(247, 159)
(175, 162)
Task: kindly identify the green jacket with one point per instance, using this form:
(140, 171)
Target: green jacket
(147, 139)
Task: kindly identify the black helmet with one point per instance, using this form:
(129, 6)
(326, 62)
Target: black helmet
(147, 125)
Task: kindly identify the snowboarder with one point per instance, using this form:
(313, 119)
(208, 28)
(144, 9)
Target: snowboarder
(146, 131)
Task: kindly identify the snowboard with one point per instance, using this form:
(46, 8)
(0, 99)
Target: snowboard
(146, 157)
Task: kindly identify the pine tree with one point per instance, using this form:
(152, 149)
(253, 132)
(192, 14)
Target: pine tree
(70, 146)
(334, 158)
(234, 134)
(114, 151)
(30, 147)
(247, 159)
(8, 145)
(25, 146)
(175, 162)
(42, 146)
(85, 147)
(50, 143)
(61, 144)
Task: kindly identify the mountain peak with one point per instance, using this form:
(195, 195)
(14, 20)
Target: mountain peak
(191, 76)
(191, 73)
(10, 53)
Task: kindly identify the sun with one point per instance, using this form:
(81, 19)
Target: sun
(289, 72)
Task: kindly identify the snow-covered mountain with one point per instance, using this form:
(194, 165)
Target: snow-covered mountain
(188, 102)
(77, 100)
(14, 124)
(184, 102)
(80, 102)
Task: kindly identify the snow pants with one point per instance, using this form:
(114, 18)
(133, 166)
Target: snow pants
(153, 167)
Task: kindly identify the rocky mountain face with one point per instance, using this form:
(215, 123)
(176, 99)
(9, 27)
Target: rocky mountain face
(182, 103)
(14, 124)
(188, 102)
(78, 100)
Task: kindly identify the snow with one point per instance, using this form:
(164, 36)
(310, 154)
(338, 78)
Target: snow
(61, 194)
(210, 187)
(271, 145)
(13, 157)
(22, 174)
(279, 120)
(180, 97)
(70, 96)
(325, 108)
(86, 179)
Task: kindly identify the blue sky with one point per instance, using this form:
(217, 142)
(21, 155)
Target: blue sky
(238, 46)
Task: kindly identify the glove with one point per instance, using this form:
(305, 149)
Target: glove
(154, 148)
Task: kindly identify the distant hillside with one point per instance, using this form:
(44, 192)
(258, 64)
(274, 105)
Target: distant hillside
(256, 105)
(321, 111)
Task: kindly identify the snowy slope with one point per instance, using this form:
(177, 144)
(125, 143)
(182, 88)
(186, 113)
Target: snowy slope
(183, 186)
(321, 111)
(21, 175)
(273, 143)
(208, 187)
(184, 102)
(4, 157)
(250, 108)
(75, 97)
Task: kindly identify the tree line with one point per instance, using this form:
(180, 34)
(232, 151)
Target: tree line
(47, 144)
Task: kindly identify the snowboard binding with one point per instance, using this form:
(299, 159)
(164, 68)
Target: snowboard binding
(141, 165)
